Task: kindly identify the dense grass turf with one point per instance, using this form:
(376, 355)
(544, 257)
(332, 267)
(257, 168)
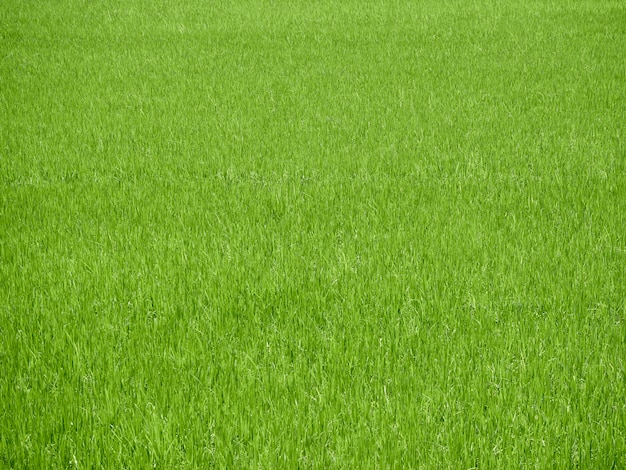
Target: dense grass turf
(313, 234)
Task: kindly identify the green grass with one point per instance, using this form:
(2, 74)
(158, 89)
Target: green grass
(329, 234)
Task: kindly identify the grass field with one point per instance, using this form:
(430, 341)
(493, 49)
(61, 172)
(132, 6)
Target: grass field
(327, 234)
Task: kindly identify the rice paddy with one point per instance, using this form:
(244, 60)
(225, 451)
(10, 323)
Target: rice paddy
(285, 234)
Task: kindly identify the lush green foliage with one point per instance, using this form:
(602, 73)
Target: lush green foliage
(312, 234)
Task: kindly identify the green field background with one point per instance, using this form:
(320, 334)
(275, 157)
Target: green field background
(324, 234)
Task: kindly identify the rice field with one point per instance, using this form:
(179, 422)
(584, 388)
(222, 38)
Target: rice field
(328, 234)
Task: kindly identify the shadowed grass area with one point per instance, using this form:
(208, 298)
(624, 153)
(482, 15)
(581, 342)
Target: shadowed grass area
(329, 234)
